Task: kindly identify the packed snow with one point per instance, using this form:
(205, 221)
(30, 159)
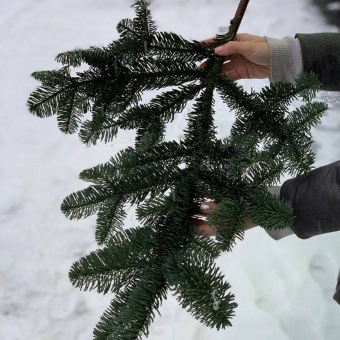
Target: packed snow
(283, 288)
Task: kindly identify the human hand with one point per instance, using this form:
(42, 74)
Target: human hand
(206, 230)
(247, 58)
(201, 225)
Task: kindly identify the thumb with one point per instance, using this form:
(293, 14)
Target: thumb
(235, 47)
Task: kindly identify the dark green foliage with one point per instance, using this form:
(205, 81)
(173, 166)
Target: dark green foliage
(132, 311)
(199, 286)
(127, 254)
(166, 179)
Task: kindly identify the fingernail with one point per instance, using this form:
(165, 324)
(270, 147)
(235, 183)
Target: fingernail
(205, 207)
(218, 49)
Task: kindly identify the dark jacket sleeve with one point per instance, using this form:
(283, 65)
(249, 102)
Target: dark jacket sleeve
(315, 199)
(336, 296)
(321, 55)
(316, 204)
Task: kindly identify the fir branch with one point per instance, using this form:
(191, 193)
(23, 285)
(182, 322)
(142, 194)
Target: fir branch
(136, 187)
(153, 209)
(52, 78)
(207, 247)
(127, 50)
(127, 30)
(307, 84)
(140, 265)
(164, 154)
(102, 174)
(44, 101)
(194, 279)
(71, 108)
(164, 106)
(174, 231)
(228, 219)
(126, 256)
(201, 131)
(102, 126)
(110, 219)
(156, 74)
(143, 23)
(264, 171)
(258, 168)
(71, 58)
(165, 45)
(152, 180)
(94, 56)
(300, 156)
(234, 96)
(278, 96)
(306, 116)
(131, 313)
(149, 136)
(269, 211)
(85, 202)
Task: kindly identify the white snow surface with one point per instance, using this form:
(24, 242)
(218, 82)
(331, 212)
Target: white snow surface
(283, 288)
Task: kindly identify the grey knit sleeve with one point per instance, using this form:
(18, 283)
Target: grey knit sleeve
(286, 59)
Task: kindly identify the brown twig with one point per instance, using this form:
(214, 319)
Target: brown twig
(222, 39)
(236, 22)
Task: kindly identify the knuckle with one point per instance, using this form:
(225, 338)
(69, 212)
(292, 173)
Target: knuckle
(205, 207)
(242, 36)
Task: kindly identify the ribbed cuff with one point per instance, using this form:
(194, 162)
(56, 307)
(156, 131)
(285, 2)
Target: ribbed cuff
(279, 234)
(286, 59)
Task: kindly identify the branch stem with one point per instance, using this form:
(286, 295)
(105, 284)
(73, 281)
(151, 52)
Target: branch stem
(236, 22)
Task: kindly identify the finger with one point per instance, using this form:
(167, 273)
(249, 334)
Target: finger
(204, 64)
(205, 230)
(203, 195)
(239, 37)
(236, 47)
(207, 40)
(242, 37)
(205, 43)
(207, 207)
(231, 71)
(233, 75)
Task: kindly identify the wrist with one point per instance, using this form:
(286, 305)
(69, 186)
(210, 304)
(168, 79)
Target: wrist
(286, 59)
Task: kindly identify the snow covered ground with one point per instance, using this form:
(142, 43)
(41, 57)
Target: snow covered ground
(284, 288)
